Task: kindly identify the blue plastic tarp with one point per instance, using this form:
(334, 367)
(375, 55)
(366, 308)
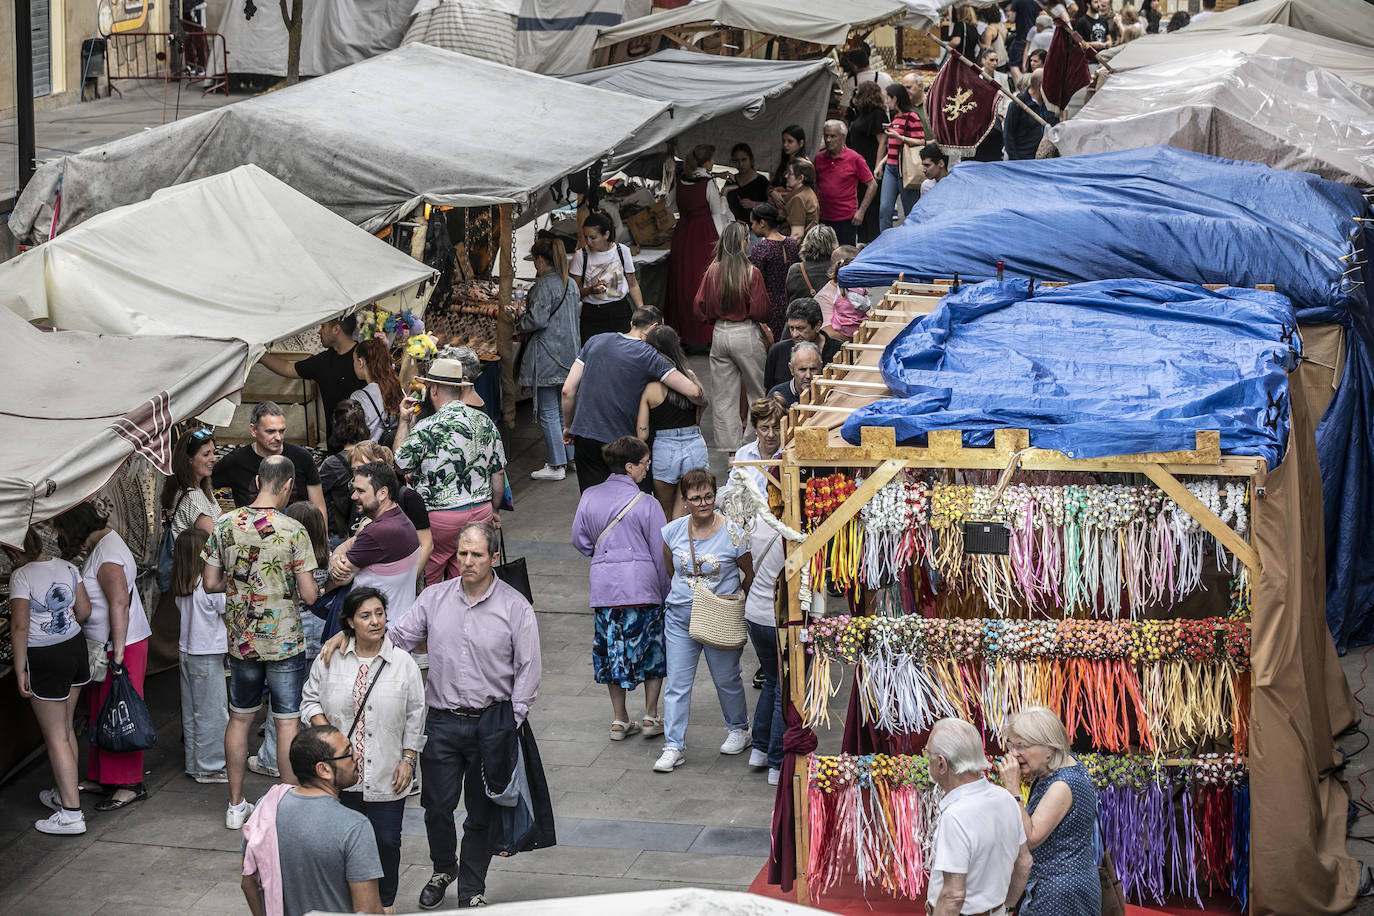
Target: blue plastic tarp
(1094, 369)
(1157, 214)
(1167, 214)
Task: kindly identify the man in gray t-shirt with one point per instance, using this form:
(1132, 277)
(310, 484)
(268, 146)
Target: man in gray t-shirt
(327, 853)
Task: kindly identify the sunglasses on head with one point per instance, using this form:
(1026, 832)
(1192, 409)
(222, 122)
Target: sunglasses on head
(194, 440)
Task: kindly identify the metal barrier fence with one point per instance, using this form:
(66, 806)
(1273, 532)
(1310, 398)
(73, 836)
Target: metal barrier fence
(198, 57)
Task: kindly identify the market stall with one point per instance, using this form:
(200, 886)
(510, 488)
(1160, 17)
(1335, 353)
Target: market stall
(746, 28)
(1343, 20)
(977, 476)
(1237, 105)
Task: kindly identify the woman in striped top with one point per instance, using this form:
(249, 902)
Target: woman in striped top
(906, 129)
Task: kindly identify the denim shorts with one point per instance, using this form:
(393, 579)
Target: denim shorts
(677, 451)
(283, 681)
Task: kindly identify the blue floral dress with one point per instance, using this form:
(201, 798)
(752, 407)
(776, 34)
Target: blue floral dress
(1063, 878)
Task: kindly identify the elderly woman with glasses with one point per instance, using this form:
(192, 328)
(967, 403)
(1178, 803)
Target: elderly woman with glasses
(703, 550)
(1060, 816)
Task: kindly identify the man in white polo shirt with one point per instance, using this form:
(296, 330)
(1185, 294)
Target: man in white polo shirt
(980, 860)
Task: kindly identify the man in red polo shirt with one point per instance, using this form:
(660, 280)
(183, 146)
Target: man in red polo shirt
(840, 174)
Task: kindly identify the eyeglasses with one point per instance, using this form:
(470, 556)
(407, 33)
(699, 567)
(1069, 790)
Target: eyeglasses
(341, 756)
(1019, 747)
(701, 500)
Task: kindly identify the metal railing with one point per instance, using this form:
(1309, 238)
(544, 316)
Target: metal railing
(199, 56)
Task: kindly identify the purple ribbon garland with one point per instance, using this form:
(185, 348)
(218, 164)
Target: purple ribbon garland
(1240, 845)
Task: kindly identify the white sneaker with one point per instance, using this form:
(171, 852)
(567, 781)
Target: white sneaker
(52, 798)
(256, 766)
(210, 779)
(736, 741)
(548, 473)
(773, 776)
(60, 823)
(670, 759)
(757, 758)
(234, 817)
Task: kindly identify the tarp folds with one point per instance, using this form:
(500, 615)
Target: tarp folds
(1157, 213)
(1349, 61)
(77, 405)
(1343, 20)
(557, 36)
(1107, 368)
(1274, 110)
(334, 34)
(822, 22)
(370, 142)
(714, 98)
(481, 28)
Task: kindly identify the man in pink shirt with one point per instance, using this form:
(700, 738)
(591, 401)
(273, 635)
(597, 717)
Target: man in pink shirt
(842, 178)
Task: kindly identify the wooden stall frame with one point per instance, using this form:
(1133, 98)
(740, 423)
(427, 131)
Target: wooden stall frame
(810, 447)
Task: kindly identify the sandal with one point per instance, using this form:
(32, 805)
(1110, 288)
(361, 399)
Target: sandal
(620, 729)
(113, 804)
(653, 726)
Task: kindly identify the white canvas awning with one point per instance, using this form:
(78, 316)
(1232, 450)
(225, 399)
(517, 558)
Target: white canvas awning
(1275, 110)
(822, 22)
(77, 405)
(1343, 20)
(334, 35)
(369, 142)
(1347, 60)
(720, 100)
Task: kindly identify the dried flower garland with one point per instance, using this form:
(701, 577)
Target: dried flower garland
(1177, 828)
(1158, 683)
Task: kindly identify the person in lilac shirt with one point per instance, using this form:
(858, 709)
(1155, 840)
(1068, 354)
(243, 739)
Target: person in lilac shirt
(619, 527)
(483, 649)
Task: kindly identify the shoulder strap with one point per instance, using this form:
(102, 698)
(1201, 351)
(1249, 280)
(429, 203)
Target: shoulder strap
(807, 277)
(616, 521)
(177, 505)
(692, 547)
(363, 705)
(621, 249)
(373, 401)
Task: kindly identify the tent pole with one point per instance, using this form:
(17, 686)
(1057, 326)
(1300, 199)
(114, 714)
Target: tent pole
(505, 324)
(795, 653)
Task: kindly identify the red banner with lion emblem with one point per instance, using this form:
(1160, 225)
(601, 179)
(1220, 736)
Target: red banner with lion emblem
(962, 107)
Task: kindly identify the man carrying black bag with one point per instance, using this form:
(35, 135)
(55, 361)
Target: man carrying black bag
(483, 660)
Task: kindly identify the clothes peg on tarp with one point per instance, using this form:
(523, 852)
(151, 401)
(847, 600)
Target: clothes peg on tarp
(1000, 268)
(955, 287)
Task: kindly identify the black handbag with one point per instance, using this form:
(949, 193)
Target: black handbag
(514, 572)
(123, 723)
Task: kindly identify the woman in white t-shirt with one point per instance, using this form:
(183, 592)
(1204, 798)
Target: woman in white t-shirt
(605, 275)
(187, 498)
(47, 605)
(203, 642)
(117, 619)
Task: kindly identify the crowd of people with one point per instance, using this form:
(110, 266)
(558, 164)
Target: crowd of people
(357, 597)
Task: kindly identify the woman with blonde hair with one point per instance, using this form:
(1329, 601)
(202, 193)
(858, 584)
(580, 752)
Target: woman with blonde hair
(734, 300)
(1060, 816)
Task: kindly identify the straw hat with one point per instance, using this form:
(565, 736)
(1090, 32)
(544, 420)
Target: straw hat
(444, 372)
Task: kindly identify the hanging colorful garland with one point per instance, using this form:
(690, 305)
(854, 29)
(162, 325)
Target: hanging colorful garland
(840, 557)
(896, 533)
(1175, 828)
(1157, 683)
(373, 319)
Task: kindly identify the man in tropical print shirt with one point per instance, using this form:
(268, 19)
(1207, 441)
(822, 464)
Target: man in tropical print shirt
(262, 560)
(454, 460)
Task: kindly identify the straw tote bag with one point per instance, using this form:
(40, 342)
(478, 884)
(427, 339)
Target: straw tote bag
(717, 620)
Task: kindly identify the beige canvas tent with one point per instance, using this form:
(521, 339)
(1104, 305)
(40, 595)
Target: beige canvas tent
(1275, 110)
(1347, 60)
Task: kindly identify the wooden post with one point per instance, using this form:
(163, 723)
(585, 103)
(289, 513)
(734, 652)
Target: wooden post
(795, 653)
(505, 324)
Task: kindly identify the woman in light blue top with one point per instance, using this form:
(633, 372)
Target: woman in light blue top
(703, 549)
(549, 327)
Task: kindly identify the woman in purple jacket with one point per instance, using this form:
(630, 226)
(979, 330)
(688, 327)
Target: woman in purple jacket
(619, 528)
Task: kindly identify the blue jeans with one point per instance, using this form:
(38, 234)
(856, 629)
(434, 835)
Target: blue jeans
(549, 400)
(281, 680)
(314, 629)
(683, 654)
(891, 190)
(451, 762)
(768, 724)
(385, 818)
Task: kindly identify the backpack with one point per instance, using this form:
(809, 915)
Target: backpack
(164, 550)
(389, 421)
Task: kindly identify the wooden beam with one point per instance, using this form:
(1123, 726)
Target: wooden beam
(835, 381)
(1204, 516)
(865, 346)
(505, 324)
(817, 539)
(793, 655)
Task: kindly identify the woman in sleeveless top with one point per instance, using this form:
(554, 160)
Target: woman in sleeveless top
(381, 393)
(701, 216)
(1060, 816)
(672, 424)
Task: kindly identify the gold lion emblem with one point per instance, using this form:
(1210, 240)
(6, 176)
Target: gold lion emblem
(959, 104)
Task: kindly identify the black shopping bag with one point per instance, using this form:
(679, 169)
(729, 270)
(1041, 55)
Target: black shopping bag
(514, 572)
(124, 723)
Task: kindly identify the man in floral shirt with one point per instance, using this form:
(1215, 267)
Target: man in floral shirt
(454, 460)
(262, 560)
